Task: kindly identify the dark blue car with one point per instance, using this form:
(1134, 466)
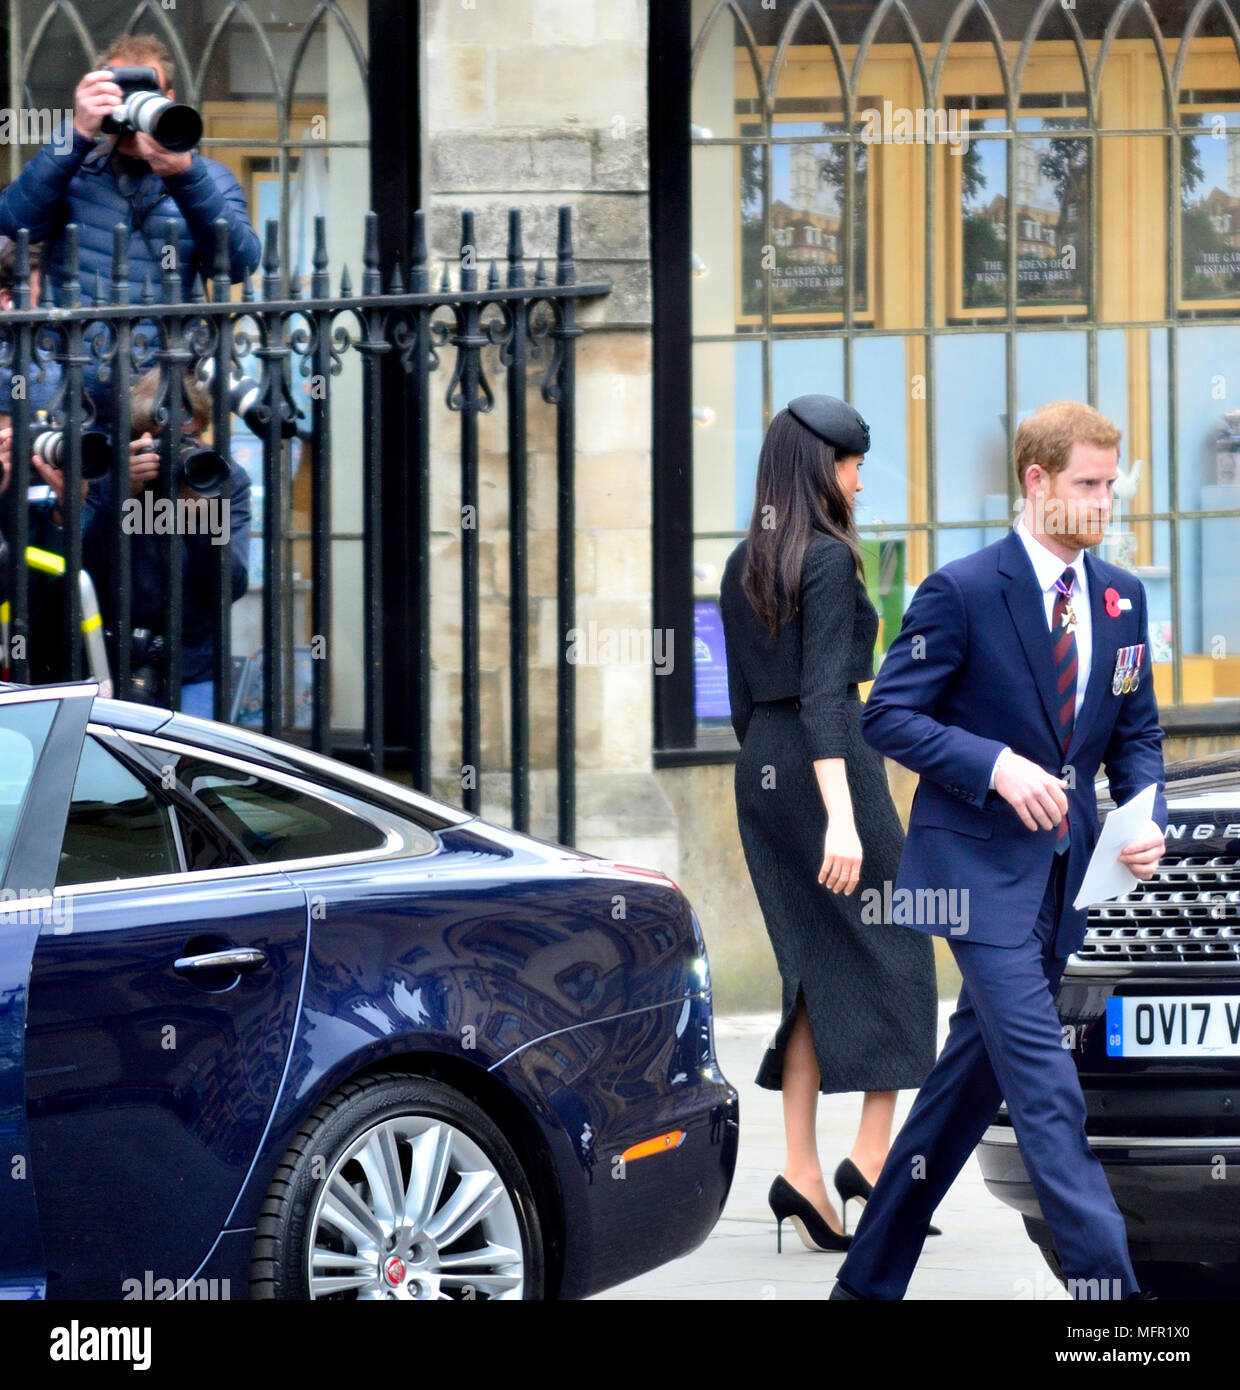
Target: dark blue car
(272, 1027)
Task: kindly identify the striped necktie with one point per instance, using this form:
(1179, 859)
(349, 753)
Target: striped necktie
(1065, 680)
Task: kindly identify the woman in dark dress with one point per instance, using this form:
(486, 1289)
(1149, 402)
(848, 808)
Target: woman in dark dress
(820, 832)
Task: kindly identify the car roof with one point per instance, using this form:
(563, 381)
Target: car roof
(231, 739)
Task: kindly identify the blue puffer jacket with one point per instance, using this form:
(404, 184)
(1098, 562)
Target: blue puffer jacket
(56, 189)
(85, 185)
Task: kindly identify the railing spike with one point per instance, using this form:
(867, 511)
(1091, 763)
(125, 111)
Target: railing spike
(320, 284)
(221, 278)
(417, 254)
(121, 288)
(271, 260)
(516, 250)
(371, 281)
(469, 252)
(21, 270)
(565, 270)
(221, 261)
(70, 286)
(170, 281)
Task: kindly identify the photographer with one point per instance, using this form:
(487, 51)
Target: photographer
(130, 178)
(46, 652)
(198, 591)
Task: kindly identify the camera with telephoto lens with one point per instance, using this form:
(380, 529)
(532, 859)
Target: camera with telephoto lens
(204, 470)
(172, 124)
(147, 653)
(245, 396)
(53, 449)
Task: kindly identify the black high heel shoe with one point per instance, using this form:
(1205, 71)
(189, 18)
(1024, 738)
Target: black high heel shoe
(788, 1205)
(851, 1184)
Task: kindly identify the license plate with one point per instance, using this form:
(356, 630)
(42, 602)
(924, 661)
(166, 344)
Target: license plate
(1196, 1025)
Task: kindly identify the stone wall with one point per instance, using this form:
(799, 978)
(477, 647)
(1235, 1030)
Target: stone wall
(535, 104)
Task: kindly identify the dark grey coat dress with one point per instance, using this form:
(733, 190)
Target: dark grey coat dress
(868, 985)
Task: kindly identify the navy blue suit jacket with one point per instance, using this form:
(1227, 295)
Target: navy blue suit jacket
(971, 671)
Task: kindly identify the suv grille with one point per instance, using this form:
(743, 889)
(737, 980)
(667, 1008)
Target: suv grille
(1189, 911)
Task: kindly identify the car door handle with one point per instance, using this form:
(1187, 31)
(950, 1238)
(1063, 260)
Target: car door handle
(243, 959)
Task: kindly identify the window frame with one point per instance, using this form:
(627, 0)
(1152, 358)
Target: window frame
(678, 740)
(142, 759)
(107, 739)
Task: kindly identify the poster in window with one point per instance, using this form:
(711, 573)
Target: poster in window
(1210, 211)
(804, 259)
(1051, 189)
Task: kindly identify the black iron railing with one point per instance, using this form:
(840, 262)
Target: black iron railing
(269, 349)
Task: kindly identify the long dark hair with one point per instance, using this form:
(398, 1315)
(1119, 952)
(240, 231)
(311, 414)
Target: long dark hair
(796, 494)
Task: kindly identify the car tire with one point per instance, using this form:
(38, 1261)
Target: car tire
(398, 1187)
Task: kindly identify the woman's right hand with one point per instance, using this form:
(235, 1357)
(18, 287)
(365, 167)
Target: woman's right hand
(841, 858)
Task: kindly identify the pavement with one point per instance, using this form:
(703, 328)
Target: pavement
(983, 1252)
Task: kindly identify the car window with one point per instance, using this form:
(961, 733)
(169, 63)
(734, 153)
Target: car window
(275, 822)
(23, 732)
(117, 827)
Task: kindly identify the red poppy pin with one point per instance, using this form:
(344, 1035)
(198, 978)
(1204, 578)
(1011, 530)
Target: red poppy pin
(1112, 600)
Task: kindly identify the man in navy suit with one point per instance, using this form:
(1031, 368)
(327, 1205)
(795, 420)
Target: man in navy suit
(1017, 672)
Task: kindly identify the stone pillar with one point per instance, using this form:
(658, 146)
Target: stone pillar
(534, 104)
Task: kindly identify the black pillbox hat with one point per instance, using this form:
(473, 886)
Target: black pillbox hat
(833, 420)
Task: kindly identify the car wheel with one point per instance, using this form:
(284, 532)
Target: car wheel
(398, 1187)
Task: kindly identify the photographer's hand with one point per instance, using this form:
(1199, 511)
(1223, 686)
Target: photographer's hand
(143, 464)
(97, 96)
(162, 161)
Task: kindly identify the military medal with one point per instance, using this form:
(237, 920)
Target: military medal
(1068, 620)
(1127, 675)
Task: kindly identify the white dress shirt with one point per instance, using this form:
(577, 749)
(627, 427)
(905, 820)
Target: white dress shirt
(1047, 568)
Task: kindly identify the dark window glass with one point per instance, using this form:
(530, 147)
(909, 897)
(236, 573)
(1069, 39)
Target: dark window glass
(274, 822)
(117, 827)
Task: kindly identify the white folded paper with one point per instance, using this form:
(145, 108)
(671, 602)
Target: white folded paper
(1106, 877)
